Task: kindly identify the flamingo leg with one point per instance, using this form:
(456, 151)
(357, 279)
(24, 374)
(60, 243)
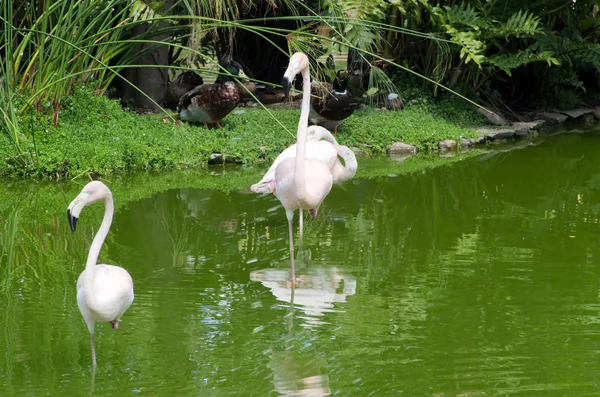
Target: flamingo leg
(293, 268)
(93, 350)
(206, 126)
(301, 226)
(218, 125)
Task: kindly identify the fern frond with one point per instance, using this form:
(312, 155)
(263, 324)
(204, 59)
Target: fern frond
(462, 15)
(521, 23)
(472, 49)
(589, 54)
(353, 13)
(508, 62)
(141, 11)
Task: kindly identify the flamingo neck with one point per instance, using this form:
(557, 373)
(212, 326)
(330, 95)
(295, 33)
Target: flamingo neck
(301, 193)
(109, 209)
(350, 164)
(348, 170)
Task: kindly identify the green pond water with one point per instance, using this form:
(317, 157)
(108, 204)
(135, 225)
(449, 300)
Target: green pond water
(475, 276)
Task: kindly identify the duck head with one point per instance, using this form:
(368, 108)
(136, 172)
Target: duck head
(233, 68)
(340, 83)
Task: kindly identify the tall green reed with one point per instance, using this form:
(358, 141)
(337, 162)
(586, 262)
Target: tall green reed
(49, 47)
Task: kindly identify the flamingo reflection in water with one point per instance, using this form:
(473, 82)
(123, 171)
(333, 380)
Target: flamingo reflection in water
(316, 290)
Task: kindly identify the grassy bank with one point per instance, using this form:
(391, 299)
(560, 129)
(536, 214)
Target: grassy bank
(96, 135)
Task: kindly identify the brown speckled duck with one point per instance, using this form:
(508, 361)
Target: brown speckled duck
(332, 103)
(209, 103)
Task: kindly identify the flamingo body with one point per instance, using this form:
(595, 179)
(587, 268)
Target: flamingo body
(300, 182)
(104, 292)
(318, 184)
(326, 151)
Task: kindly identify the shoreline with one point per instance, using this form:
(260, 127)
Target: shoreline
(97, 136)
(502, 132)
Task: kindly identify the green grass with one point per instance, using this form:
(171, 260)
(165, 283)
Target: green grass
(95, 134)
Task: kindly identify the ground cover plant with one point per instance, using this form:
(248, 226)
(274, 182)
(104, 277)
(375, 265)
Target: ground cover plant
(96, 135)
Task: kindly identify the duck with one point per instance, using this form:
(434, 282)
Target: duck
(179, 86)
(209, 103)
(332, 103)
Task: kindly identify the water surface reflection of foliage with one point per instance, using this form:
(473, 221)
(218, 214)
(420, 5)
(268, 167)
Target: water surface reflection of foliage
(479, 277)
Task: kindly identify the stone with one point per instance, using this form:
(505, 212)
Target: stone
(216, 158)
(577, 113)
(359, 152)
(492, 117)
(555, 118)
(529, 125)
(521, 129)
(539, 124)
(491, 134)
(466, 142)
(232, 160)
(447, 144)
(597, 112)
(402, 148)
(587, 119)
(394, 102)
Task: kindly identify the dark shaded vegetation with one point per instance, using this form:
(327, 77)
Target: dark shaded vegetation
(510, 56)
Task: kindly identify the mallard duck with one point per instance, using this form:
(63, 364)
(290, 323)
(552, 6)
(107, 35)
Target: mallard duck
(332, 103)
(179, 86)
(209, 103)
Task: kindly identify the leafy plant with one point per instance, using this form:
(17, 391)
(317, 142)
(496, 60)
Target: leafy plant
(96, 135)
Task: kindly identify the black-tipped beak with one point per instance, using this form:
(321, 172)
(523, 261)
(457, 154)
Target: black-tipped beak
(72, 220)
(287, 85)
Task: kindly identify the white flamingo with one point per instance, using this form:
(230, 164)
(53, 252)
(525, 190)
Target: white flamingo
(104, 292)
(327, 151)
(300, 182)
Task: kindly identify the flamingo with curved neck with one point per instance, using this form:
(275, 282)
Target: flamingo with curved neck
(326, 150)
(104, 292)
(300, 182)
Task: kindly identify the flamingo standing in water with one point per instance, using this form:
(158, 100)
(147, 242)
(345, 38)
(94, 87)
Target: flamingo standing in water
(104, 292)
(327, 151)
(300, 182)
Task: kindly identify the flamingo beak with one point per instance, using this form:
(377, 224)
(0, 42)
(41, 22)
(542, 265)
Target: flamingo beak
(287, 85)
(75, 208)
(313, 212)
(72, 220)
